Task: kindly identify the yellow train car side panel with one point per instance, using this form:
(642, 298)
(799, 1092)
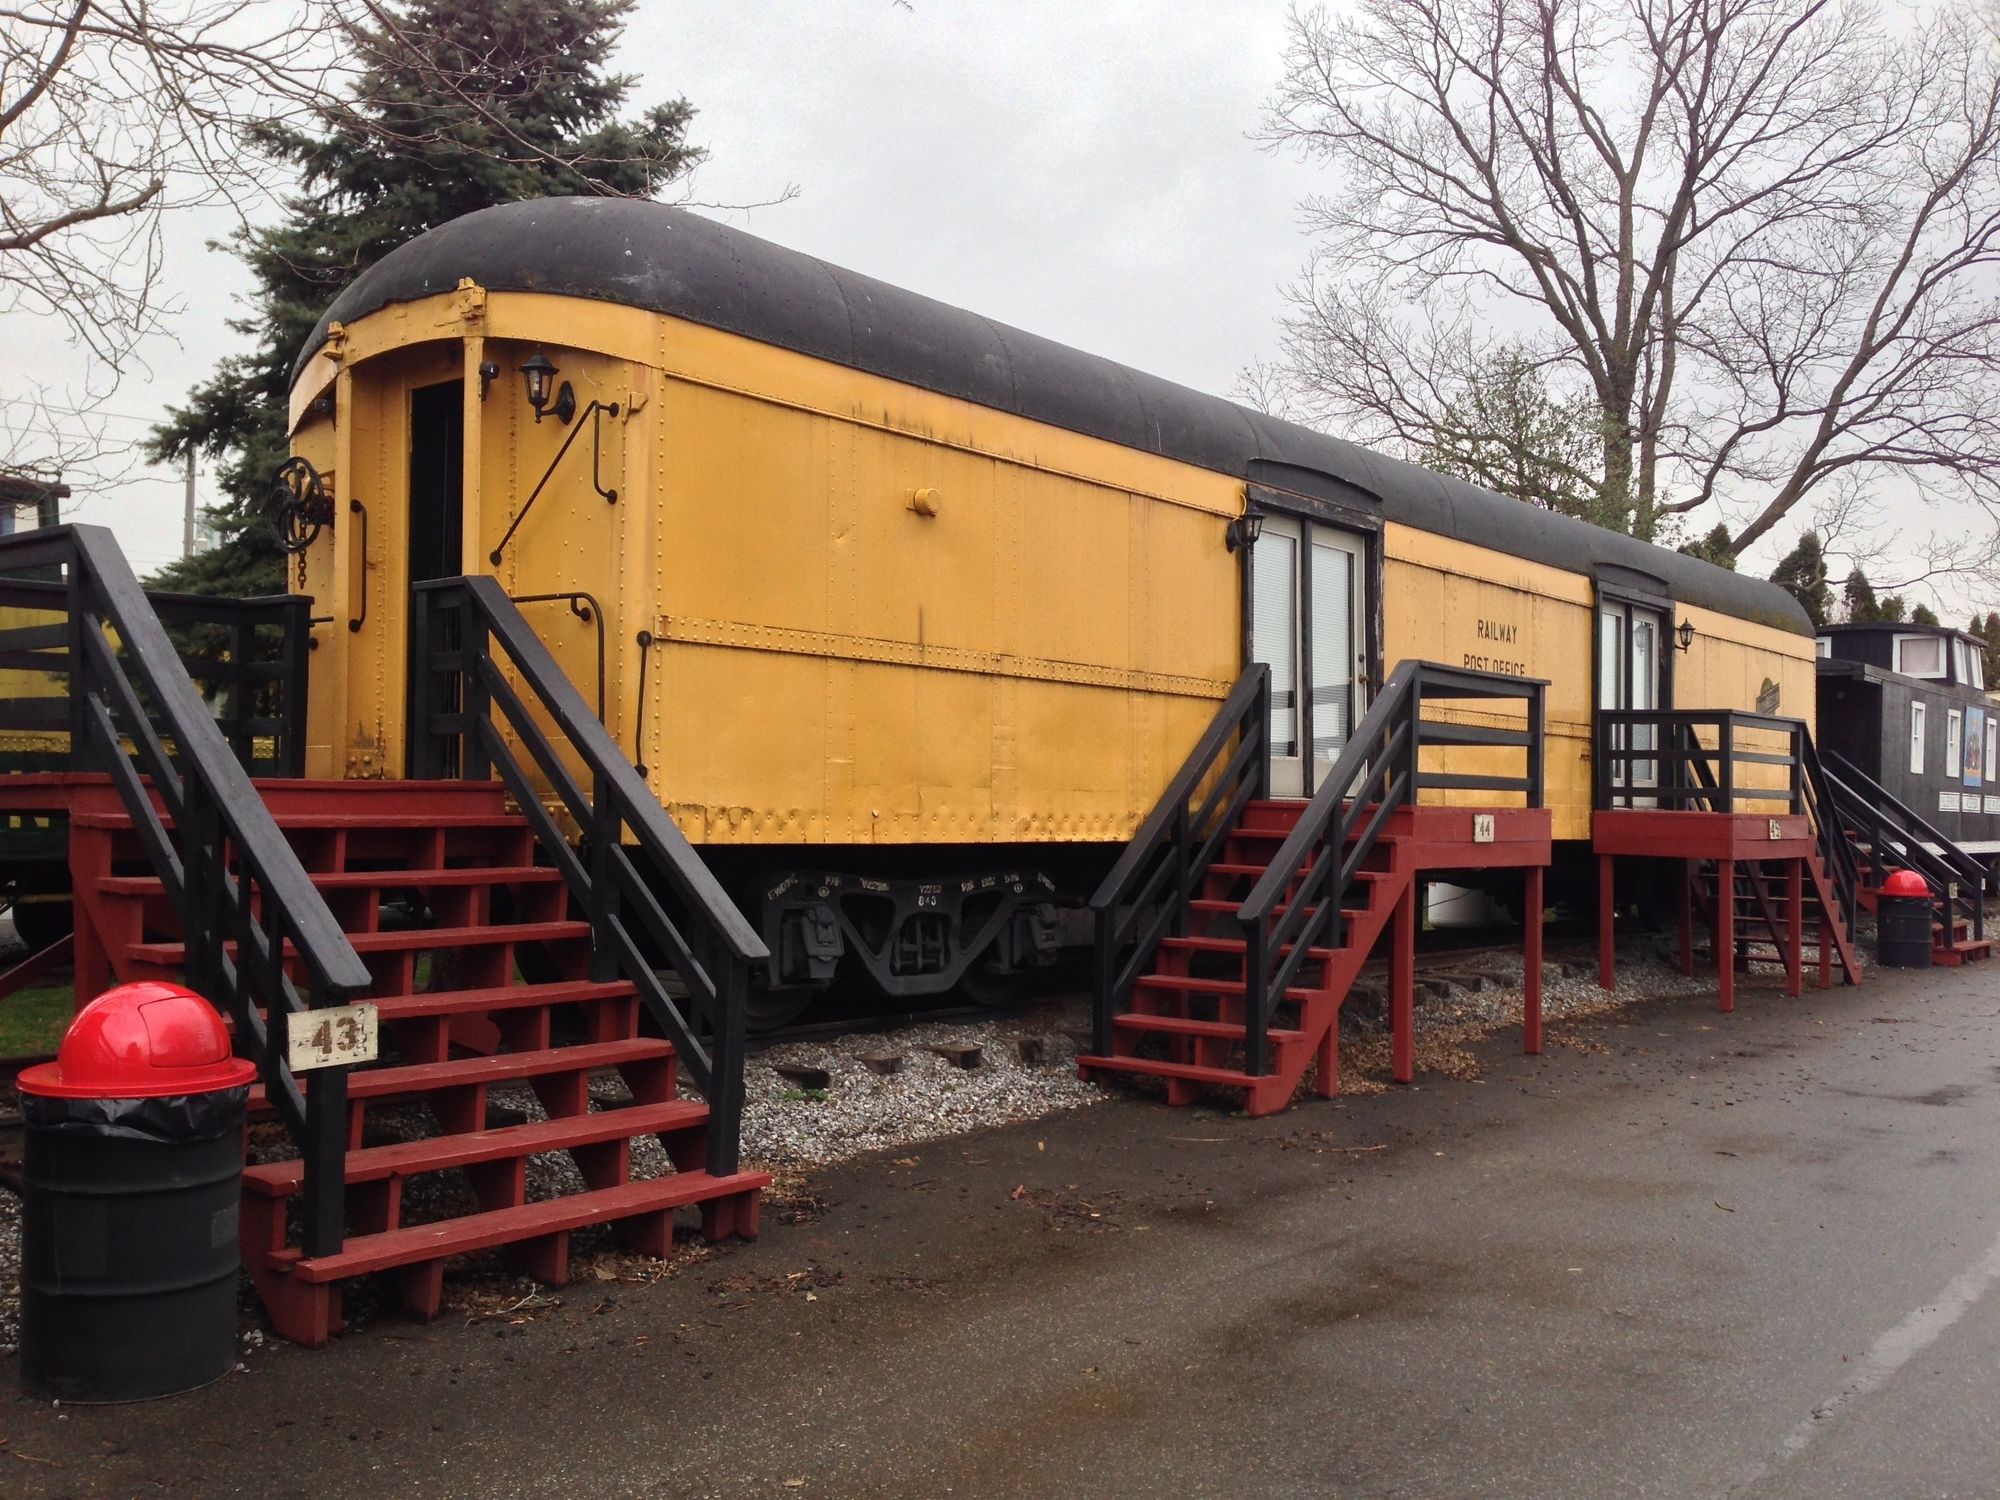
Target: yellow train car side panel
(885, 668)
(867, 612)
(1452, 602)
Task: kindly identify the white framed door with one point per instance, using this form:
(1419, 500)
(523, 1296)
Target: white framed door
(1308, 623)
(1631, 675)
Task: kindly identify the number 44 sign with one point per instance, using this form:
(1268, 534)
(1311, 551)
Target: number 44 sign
(331, 1038)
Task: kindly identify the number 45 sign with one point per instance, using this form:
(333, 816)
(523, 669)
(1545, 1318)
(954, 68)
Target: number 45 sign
(331, 1038)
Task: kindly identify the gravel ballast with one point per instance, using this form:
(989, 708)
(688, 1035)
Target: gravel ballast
(929, 1096)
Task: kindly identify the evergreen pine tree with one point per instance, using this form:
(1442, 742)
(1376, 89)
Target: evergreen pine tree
(1802, 573)
(1989, 634)
(1713, 547)
(1923, 614)
(1858, 595)
(463, 104)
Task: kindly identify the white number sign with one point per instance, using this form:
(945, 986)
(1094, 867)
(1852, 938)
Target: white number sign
(332, 1038)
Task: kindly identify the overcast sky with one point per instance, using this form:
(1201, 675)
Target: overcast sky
(1084, 171)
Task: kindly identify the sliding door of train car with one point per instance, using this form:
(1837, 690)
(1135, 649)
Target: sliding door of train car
(1309, 608)
(1631, 674)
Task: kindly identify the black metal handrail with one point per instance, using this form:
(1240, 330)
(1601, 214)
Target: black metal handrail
(1379, 771)
(1890, 829)
(586, 608)
(479, 675)
(256, 686)
(1145, 896)
(248, 909)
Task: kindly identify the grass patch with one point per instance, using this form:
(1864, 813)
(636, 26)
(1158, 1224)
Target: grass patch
(33, 1020)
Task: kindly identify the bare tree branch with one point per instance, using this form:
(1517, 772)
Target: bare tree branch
(1761, 235)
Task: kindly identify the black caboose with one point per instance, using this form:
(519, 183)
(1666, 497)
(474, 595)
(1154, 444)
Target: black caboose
(1907, 704)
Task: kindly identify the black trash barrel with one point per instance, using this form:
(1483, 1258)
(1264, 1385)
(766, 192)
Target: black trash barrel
(134, 1166)
(1903, 917)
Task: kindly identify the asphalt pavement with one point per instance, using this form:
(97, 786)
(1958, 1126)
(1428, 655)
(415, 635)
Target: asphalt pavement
(1682, 1254)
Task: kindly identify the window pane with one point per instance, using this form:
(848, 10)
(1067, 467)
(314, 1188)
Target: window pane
(1607, 659)
(1333, 650)
(1920, 656)
(1645, 690)
(1954, 742)
(1916, 739)
(1273, 626)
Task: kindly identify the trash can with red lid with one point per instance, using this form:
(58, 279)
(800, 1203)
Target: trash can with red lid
(133, 1177)
(1903, 919)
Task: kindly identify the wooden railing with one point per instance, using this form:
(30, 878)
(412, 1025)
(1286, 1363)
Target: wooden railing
(1145, 897)
(243, 898)
(1379, 771)
(1701, 760)
(247, 658)
(488, 697)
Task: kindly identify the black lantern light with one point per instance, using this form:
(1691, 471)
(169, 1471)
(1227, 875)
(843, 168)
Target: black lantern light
(1244, 530)
(1684, 635)
(540, 373)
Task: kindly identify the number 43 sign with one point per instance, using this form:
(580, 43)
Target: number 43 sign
(331, 1038)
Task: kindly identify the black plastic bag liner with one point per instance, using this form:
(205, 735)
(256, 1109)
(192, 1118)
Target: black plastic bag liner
(167, 1118)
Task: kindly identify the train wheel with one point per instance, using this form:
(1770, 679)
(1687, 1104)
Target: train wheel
(41, 923)
(991, 990)
(772, 1010)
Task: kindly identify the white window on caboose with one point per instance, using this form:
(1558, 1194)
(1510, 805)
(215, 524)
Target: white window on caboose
(1920, 655)
(1954, 743)
(1916, 739)
(1992, 746)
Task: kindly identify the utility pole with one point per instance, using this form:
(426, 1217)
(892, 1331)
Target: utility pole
(187, 509)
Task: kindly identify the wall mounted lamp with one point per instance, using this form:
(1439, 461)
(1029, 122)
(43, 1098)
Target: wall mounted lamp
(1244, 530)
(1684, 635)
(540, 374)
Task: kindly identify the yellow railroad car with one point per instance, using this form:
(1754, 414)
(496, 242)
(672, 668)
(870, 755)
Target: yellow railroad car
(908, 616)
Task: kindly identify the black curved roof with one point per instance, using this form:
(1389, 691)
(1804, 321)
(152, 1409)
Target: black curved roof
(670, 261)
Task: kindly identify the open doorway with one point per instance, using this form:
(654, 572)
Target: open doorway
(437, 481)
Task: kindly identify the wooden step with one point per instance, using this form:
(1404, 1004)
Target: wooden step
(364, 1254)
(1249, 872)
(505, 997)
(1153, 1067)
(352, 880)
(1190, 984)
(1235, 947)
(500, 1067)
(315, 821)
(1950, 955)
(1226, 1031)
(442, 1153)
(406, 940)
(1224, 907)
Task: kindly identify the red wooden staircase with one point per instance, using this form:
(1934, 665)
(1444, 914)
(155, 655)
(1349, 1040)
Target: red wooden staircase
(1232, 928)
(437, 887)
(1774, 922)
(1185, 1018)
(522, 914)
